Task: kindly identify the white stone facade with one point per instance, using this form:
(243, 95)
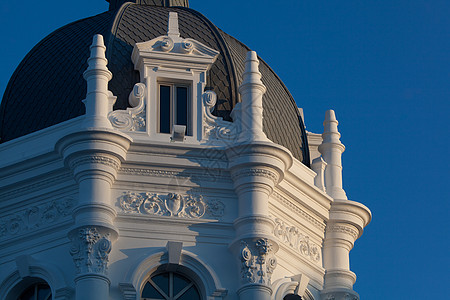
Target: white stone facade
(98, 204)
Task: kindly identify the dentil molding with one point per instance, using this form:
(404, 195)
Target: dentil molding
(291, 206)
(297, 240)
(257, 261)
(172, 204)
(90, 250)
(35, 217)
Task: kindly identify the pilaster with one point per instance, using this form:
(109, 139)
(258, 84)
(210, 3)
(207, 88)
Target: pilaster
(256, 165)
(94, 155)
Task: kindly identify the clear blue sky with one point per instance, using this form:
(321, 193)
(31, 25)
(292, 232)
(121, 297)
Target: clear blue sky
(384, 67)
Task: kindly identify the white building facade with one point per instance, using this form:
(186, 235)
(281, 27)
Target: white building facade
(164, 199)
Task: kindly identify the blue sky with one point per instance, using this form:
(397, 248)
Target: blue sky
(384, 67)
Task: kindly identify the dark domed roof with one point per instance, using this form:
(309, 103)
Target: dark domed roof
(48, 86)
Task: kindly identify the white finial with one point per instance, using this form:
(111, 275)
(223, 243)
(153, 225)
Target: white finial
(99, 99)
(172, 27)
(331, 150)
(252, 90)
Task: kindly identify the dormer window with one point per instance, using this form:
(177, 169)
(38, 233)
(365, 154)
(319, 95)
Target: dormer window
(175, 106)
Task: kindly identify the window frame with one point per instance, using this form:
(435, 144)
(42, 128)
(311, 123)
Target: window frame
(173, 104)
(171, 296)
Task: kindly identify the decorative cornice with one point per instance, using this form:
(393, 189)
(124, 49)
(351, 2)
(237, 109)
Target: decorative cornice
(257, 261)
(24, 190)
(292, 236)
(97, 159)
(172, 204)
(90, 250)
(35, 218)
(205, 176)
(291, 206)
(342, 229)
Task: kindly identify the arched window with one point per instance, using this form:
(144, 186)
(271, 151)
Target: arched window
(38, 291)
(292, 297)
(170, 286)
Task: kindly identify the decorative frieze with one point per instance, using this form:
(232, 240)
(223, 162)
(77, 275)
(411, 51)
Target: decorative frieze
(256, 172)
(172, 204)
(97, 159)
(257, 261)
(297, 240)
(342, 229)
(35, 217)
(90, 250)
(292, 207)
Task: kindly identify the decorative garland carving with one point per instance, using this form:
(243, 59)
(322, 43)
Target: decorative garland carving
(90, 250)
(172, 204)
(36, 217)
(340, 296)
(131, 119)
(215, 128)
(257, 261)
(104, 160)
(256, 172)
(298, 210)
(295, 239)
(343, 229)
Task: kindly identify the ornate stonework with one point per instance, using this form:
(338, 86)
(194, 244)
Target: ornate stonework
(343, 229)
(215, 128)
(35, 217)
(297, 240)
(104, 160)
(131, 119)
(207, 175)
(291, 206)
(90, 250)
(256, 172)
(172, 204)
(257, 261)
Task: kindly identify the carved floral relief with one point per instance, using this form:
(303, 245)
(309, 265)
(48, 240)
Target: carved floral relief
(172, 204)
(35, 217)
(292, 236)
(257, 261)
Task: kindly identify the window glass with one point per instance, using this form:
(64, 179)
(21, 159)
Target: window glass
(182, 106)
(38, 291)
(170, 286)
(165, 103)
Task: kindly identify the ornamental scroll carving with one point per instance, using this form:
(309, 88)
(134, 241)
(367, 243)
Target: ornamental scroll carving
(292, 236)
(35, 217)
(131, 119)
(90, 250)
(257, 261)
(172, 204)
(215, 128)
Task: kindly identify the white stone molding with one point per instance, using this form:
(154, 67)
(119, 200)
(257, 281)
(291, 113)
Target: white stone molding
(205, 175)
(297, 240)
(341, 294)
(35, 218)
(190, 264)
(318, 165)
(343, 229)
(295, 285)
(172, 204)
(29, 269)
(90, 250)
(215, 128)
(257, 261)
(291, 206)
(134, 118)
